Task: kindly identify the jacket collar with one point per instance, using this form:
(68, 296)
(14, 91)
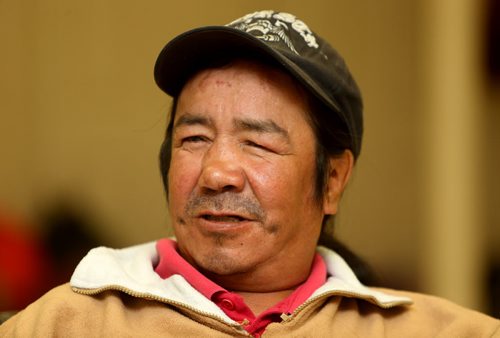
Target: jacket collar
(343, 281)
(132, 270)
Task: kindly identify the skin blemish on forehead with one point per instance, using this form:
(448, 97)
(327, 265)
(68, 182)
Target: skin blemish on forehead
(220, 83)
(206, 78)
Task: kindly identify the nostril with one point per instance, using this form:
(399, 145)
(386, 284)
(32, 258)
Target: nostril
(228, 188)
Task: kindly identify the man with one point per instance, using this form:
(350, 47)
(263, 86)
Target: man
(264, 131)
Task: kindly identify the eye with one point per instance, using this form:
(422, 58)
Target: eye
(257, 145)
(194, 139)
(192, 142)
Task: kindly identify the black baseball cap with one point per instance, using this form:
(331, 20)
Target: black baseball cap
(280, 37)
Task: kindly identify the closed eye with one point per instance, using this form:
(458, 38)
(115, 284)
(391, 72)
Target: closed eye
(193, 139)
(257, 145)
(193, 142)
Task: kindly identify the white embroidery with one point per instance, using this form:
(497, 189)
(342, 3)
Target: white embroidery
(259, 24)
(287, 17)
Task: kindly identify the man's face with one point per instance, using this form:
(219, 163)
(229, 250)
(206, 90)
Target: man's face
(241, 178)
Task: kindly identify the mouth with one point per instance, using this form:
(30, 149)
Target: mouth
(233, 223)
(223, 218)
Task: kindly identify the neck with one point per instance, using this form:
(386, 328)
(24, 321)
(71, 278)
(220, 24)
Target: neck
(262, 288)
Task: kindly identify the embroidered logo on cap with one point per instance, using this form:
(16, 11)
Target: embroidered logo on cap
(275, 27)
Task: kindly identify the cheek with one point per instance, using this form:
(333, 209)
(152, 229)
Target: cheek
(283, 187)
(182, 178)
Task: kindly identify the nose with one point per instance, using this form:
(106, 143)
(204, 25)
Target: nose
(221, 171)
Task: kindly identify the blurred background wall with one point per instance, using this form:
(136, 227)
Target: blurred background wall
(81, 121)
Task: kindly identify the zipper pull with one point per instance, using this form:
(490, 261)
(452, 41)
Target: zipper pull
(285, 317)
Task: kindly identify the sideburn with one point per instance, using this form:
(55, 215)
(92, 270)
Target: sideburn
(166, 147)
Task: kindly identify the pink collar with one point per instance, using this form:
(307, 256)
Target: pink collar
(233, 305)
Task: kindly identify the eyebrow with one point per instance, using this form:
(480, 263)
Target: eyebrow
(261, 126)
(192, 119)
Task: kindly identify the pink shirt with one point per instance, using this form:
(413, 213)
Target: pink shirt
(232, 304)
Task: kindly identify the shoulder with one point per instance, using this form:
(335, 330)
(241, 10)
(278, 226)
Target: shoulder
(438, 315)
(111, 313)
(59, 310)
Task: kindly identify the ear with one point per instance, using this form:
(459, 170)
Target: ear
(340, 170)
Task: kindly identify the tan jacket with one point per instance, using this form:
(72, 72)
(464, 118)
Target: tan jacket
(130, 300)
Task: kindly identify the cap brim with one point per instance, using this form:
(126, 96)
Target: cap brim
(188, 52)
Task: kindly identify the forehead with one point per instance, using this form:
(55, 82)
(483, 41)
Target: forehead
(245, 88)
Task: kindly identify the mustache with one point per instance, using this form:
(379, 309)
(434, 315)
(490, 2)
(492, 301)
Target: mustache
(226, 202)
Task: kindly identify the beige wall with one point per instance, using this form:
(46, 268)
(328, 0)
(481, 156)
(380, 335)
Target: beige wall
(81, 116)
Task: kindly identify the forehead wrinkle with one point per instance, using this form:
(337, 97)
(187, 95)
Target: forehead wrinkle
(190, 119)
(260, 126)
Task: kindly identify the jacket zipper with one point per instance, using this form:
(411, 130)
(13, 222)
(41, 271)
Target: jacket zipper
(301, 307)
(91, 292)
(286, 318)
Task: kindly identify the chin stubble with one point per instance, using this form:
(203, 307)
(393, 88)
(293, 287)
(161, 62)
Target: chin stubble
(219, 262)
